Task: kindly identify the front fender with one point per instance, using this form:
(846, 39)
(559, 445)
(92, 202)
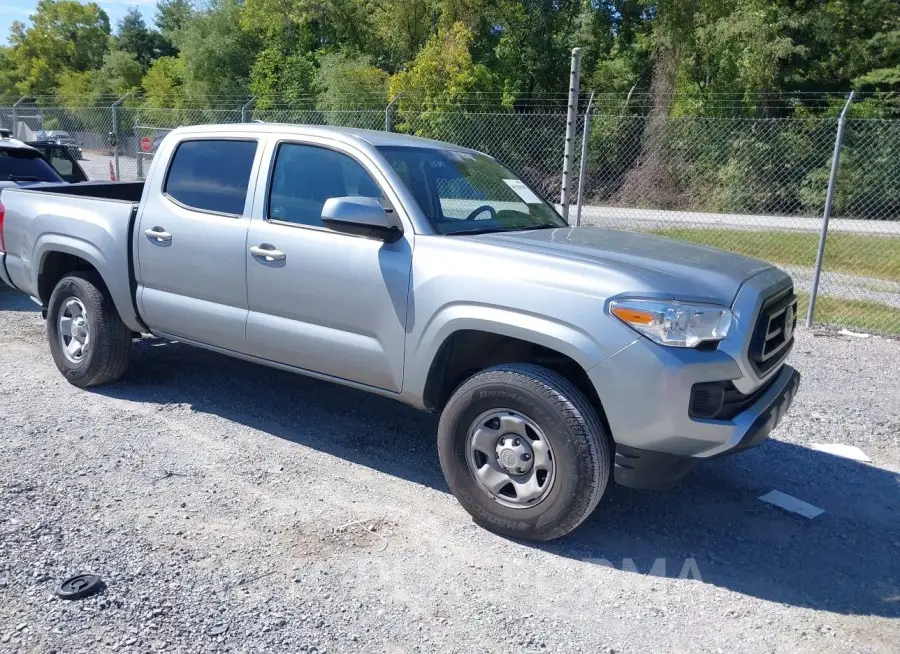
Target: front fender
(585, 349)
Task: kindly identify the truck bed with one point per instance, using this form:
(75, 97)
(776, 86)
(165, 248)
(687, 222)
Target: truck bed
(70, 226)
(124, 191)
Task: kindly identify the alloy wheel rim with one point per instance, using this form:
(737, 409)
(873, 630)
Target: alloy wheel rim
(74, 330)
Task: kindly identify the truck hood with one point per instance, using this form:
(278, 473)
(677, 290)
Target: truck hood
(665, 266)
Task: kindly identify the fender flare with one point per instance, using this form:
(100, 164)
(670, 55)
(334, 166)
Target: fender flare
(119, 291)
(564, 338)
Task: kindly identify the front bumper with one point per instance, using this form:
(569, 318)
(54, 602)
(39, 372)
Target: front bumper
(638, 468)
(646, 388)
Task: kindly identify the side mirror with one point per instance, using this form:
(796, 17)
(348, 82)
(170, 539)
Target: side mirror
(360, 216)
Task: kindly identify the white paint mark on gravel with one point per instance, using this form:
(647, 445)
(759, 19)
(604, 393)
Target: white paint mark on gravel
(792, 504)
(845, 451)
(847, 332)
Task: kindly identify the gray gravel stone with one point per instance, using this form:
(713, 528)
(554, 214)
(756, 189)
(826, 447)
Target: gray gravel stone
(158, 484)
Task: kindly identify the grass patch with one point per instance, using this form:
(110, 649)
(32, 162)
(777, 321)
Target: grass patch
(872, 256)
(859, 314)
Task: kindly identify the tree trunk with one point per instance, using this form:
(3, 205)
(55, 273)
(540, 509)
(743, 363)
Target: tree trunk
(648, 183)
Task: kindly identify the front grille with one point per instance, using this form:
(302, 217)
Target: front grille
(773, 335)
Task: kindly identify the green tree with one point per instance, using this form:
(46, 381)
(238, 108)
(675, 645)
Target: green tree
(75, 88)
(63, 35)
(402, 27)
(217, 54)
(8, 91)
(163, 83)
(443, 75)
(279, 78)
(143, 44)
(348, 82)
(442, 82)
(534, 46)
(171, 16)
(120, 74)
(306, 25)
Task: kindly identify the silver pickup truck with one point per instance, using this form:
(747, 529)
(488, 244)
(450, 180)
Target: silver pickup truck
(431, 274)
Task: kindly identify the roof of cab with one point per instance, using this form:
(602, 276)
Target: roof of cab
(9, 143)
(372, 137)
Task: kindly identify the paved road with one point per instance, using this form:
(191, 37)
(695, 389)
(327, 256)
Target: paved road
(647, 219)
(236, 508)
(96, 166)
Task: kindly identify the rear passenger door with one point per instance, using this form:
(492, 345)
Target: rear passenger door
(191, 241)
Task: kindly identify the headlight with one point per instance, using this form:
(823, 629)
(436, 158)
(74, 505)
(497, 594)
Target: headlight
(672, 323)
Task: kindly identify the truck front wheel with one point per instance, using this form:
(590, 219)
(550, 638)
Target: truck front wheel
(88, 340)
(523, 451)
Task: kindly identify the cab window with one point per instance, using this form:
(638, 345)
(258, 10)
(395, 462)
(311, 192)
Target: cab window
(305, 176)
(211, 175)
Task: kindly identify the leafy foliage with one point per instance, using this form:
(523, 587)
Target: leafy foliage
(64, 35)
(688, 53)
(690, 80)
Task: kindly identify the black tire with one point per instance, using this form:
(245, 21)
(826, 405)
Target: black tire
(571, 425)
(106, 357)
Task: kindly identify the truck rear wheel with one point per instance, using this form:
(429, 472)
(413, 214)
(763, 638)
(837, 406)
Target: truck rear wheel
(523, 451)
(89, 342)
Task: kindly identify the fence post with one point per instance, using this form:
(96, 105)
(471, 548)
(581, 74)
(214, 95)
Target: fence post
(115, 131)
(15, 117)
(389, 113)
(571, 118)
(138, 159)
(584, 158)
(826, 216)
(245, 110)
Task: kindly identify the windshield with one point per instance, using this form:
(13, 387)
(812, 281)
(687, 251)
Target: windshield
(20, 165)
(467, 193)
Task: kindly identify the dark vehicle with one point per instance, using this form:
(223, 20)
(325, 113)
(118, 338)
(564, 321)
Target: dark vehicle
(59, 137)
(60, 157)
(21, 164)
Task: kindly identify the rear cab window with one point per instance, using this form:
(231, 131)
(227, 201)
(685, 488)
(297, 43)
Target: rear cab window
(25, 165)
(211, 175)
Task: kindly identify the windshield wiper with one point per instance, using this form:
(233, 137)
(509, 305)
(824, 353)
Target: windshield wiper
(541, 226)
(502, 230)
(24, 178)
(478, 230)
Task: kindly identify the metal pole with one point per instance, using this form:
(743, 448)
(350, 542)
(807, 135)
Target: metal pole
(245, 110)
(628, 99)
(572, 116)
(584, 158)
(15, 117)
(389, 113)
(115, 131)
(829, 201)
(139, 161)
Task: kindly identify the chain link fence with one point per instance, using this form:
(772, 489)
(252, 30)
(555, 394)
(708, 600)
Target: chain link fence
(753, 186)
(759, 187)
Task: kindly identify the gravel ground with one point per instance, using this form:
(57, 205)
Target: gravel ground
(231, 507)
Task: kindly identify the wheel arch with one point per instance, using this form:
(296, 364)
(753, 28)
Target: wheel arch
(56, 255)
(56, 264)
(465, 352)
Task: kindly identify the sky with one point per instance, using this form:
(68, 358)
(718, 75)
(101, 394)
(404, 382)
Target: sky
(13, 10)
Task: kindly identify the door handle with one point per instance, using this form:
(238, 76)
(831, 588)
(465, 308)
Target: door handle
(157, 234)
(267, 252)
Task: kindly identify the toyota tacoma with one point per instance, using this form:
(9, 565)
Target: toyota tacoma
(559, 357)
